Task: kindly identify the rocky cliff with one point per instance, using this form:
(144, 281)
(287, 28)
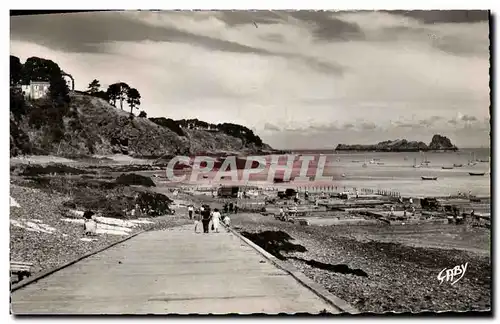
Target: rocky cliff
(438, 143)
(93, 126)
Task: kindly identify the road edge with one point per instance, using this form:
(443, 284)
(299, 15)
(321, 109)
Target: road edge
(317, 289)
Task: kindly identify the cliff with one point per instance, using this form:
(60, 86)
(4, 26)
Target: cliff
(90, 125)
(438, 143)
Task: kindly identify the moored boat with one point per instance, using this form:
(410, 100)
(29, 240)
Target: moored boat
(457, 165)
(429, 178)
(446, 168)
(476, 173)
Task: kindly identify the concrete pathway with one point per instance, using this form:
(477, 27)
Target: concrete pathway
(171, 271)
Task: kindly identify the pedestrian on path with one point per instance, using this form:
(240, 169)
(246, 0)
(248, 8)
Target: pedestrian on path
(205, 219)
(197, 221)
(190, 211)
(216, 217)
(227, 220)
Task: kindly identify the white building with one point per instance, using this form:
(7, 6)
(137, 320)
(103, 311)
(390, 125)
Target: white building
(36, 89)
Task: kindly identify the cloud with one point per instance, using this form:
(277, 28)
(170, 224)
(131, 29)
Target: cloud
(271, 127)
(445, 16)
(348, 126)
(368, 126)
(468, 118)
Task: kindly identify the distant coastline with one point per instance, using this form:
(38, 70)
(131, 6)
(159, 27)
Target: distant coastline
(438, 144)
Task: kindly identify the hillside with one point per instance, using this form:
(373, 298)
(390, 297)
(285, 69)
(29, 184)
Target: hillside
(91, 125)
(438, 143)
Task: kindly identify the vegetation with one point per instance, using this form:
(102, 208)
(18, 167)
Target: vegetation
(143, 114)
(15, 70)
(242, 132)
(93, 87)
(168, 123)
(133, 99)
(132, 179)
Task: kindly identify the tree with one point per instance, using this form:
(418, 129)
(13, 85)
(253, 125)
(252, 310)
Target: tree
(101, 94)
(58, 90)
(39, 69)
(124, 88)
(93, 87)
(15, 70)
(133, 99)
(143, 114)
(113, 93)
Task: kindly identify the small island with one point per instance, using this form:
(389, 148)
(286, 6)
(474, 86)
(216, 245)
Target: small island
(438, 143)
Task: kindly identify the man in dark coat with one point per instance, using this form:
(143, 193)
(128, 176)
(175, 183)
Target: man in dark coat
(205, 219)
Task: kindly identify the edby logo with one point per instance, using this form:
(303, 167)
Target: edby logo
(244, 169)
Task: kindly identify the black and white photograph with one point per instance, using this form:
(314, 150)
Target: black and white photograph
(241, 162)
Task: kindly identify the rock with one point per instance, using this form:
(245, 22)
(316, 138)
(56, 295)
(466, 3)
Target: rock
(439, 142)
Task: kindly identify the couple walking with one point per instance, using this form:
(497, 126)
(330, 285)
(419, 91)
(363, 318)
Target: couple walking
(208, 217)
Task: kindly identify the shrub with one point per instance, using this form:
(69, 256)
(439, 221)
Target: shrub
(135, 179)
(168, 123)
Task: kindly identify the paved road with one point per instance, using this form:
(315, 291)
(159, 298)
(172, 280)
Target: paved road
(171, 271)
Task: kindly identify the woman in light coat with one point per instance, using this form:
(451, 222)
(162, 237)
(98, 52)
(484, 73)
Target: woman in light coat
(216, 217)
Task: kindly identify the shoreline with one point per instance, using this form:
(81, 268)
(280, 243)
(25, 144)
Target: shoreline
(372, 275)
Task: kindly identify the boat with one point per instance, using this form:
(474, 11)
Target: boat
(429, 178)
(446, 168)
(476, 173)
(380, 163)
(415, 163)
(364, 164)
(457, 165)
(472, 161)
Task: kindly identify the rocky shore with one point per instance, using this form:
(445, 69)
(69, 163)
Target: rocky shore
(373, 276)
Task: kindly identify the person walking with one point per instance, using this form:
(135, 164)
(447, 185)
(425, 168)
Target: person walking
(197, 221)
(205, 219)
(216, 217)
(190, 211)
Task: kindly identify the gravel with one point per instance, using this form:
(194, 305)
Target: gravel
(399, 278)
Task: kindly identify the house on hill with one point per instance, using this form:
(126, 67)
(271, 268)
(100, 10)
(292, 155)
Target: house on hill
(36, 89)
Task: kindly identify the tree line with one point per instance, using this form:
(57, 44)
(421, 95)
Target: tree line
(117, 92)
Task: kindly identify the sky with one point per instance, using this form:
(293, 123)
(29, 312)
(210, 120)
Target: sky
(299, 79)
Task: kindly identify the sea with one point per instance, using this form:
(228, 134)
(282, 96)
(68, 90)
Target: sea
(386, 171)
